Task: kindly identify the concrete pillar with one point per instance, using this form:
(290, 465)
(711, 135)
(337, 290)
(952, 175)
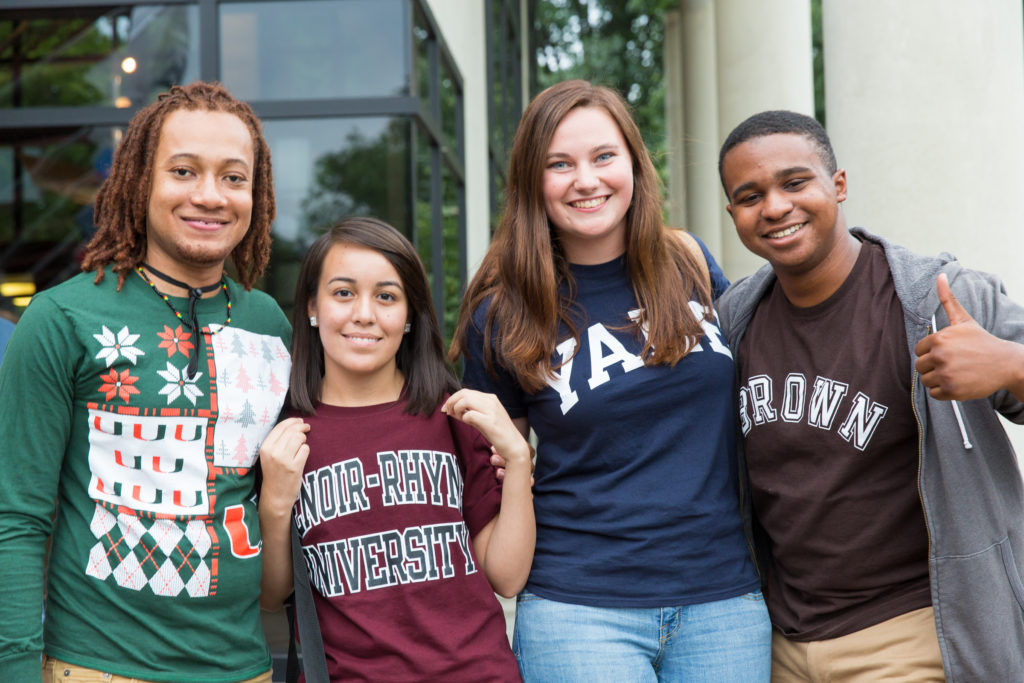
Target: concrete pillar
(764, 62)
(927, 116)
(526, 52)
(677, 199)
(924, 102)
(462, 22)
(701, 133)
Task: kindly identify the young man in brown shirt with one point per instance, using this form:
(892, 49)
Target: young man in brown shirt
(885, 512)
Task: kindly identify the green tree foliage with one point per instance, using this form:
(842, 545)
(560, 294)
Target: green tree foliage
(367, 177)
(54, 61)
(818, 50)
(618, 43)
(363, 178)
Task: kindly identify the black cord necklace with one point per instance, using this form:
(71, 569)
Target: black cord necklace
(194, 295)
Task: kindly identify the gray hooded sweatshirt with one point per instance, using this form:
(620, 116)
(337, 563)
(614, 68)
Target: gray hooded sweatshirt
(969, 479)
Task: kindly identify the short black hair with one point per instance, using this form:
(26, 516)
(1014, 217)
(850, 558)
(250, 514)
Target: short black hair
(780, 122)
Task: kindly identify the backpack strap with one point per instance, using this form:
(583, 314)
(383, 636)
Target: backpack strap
(314, 662)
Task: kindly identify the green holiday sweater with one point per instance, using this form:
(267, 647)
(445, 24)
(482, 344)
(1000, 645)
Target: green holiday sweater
(155, 561)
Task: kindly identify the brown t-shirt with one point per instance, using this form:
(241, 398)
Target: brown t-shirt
(831, 444)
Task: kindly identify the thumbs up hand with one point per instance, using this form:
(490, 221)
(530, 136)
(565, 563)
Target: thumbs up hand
(954, 311)
(964, 361)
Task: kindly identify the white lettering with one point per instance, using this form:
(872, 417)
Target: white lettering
(600, 337)
(745, 423)
(864, 418)
(761, 399)
(711, 331)
(389, 558)
(793, 399)
(825, 401)
(559, 381)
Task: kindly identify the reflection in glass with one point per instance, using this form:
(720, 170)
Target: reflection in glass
(421, 40)
(309, 49)
(449, 106)
(326, 169)
(504, 82)
(440, 253)
(47, 187)
(280, 54)
(77, 56)
(453, 275)
(423, 237)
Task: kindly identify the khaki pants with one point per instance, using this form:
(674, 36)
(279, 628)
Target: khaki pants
(904, 648)
(56, 671)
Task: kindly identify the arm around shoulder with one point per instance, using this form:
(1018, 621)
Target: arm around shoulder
(504, 547)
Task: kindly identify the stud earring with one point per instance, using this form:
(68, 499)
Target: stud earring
(408, 327)
(312, 321)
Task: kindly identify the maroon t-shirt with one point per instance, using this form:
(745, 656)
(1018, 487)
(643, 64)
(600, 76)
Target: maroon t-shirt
(832, 452)
(389, 505)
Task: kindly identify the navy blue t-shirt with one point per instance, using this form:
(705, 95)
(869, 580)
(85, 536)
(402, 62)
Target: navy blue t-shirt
(636, 487)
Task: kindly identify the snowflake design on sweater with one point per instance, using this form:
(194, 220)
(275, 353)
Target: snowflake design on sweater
(118, 384)
(123, 344)
(179, 383)
(175, 340)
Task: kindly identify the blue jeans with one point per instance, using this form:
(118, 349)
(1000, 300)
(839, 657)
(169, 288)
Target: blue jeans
(717, 642)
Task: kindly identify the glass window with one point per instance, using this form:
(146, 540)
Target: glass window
(306, 66)
(48, 182)
(450, 109)
(439, 237)
(504, 71)
(442, 80)
(453, 266)
(326, 169)
(118, 57)
(422, 43)
(423, 239)
(315, 49)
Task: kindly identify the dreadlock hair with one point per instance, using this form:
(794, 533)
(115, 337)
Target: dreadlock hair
(122, 203)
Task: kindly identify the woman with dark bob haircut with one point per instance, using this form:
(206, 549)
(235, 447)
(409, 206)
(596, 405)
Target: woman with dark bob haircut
(404, 529)
(593, 324)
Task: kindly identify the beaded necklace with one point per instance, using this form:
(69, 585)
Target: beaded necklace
(194, 294)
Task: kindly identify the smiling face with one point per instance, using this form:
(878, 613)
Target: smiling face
(588, 185)
(785, 203)
(361, 311)
(200, 202)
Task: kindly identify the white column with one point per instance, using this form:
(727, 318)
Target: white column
(924, 101)
(526, 53)
(764, 62)
(927, 116)
(674, 97)
(463, 25)
(701, 133)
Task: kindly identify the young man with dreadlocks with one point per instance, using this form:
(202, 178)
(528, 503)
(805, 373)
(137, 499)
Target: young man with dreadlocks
(138, 401)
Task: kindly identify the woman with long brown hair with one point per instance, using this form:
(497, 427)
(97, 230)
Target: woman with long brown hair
(593, 323)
